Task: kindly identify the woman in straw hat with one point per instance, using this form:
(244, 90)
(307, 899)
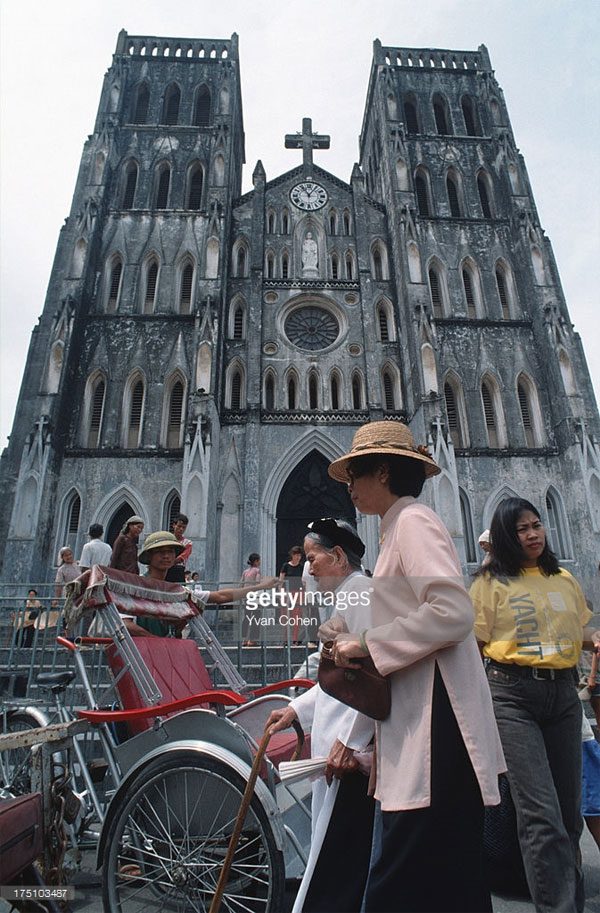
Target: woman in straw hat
(438, 754)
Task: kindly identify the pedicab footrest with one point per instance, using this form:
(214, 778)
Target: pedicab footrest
(216, 696)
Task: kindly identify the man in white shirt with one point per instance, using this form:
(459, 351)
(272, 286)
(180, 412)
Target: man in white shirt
(95, 551)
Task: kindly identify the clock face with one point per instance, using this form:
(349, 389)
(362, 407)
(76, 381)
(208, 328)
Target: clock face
(308, 195)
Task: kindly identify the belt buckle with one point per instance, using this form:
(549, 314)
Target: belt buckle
(543, 675)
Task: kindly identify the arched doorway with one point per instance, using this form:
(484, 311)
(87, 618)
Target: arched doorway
(119, 518)
(307, 494)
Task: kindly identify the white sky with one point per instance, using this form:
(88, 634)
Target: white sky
(309, 58)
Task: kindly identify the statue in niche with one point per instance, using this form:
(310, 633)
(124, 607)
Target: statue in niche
(310, 259)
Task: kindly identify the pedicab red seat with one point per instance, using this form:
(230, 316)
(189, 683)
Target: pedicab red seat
(176, 666)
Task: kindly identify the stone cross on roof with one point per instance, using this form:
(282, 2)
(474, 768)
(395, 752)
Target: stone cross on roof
(307, 141)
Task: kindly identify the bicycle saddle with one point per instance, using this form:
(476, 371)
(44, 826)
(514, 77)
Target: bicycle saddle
(56, 681)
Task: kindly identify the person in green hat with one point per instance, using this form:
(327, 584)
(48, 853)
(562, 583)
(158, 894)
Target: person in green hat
(160, 552)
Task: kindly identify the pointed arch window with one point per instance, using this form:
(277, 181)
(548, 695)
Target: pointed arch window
(131, 176)
(410, 116)
(73, 515)
(142, 101)
(388, 391)
(171, 105)
(151, 283)
(196, 183)
(236, 390)
(172, 508)
(469, 111)
(346, 222)
(292, 389)
(240, 261)
(212, 258)
(558, 528)
(175, 416)
(54, 367)
(333, 222)
(377, 266)
(530, 411)
(313, 391)
(285, 222)
(270, 265)
(285, 265)
(335, 392)
(201, 116)
(135, 413)
(185, 293)
(357, 391)
(452, 413)
(525, 414)
(270, 222)
(566, 371)
(349, 266)
(483, 189)
(493, 420)
(440, 113)
(435, 291)
(335, 266)
(503, 291)
(379, 261)
(455, 413)
(96, 411)
(114, 284)
(238, 322)
(467, 525)
(269, 393)
(383, 323)
(422, 192)
(471, 290)
(453, 198)
(162, 191)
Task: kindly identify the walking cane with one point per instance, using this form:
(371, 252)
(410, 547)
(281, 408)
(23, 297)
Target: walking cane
(586, 693)
(245, 805)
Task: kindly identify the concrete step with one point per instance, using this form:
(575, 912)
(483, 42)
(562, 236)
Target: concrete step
(257, 665)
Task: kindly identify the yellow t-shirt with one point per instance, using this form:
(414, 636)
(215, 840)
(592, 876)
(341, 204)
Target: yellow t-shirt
(531, 620)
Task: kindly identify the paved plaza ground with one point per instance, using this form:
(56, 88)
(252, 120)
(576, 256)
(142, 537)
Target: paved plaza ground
(88, 899)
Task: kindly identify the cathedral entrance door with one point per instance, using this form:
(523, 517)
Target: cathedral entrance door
(118, 521)
(308, 494)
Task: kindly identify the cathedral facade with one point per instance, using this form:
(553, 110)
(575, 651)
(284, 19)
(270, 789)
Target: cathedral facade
(212, 352)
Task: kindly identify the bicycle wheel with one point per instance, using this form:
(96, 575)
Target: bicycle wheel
(15, 764)
(167, 843)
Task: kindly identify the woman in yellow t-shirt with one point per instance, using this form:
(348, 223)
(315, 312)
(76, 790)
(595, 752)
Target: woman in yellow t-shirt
(529, 618)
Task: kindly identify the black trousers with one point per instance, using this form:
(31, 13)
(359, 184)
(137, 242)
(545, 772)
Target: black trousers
(431, 859)
(340, 875)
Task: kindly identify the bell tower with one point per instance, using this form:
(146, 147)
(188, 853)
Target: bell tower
(124, 365)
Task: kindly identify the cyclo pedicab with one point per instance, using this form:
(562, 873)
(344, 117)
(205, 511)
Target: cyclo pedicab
(188, 756)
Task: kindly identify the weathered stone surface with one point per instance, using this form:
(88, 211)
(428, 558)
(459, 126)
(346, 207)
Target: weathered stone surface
(294, 325)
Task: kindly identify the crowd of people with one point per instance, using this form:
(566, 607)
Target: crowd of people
(483, 684)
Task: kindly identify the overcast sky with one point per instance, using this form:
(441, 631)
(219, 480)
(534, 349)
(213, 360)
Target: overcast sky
(308, 58)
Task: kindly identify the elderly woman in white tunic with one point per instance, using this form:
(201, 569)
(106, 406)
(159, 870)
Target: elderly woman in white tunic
(337, 866)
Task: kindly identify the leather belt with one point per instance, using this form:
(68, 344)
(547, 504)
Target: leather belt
(535, 672)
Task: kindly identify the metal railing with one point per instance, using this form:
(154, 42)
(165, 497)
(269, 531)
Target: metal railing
(28, 645)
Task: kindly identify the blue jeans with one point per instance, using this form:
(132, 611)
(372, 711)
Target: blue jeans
(539, 722)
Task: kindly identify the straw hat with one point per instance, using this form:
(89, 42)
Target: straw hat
(159, 540)
(385, 438)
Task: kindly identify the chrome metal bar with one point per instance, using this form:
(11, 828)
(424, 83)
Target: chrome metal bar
(205, 636)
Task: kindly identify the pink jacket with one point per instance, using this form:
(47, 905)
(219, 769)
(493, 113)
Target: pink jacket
(422, 614)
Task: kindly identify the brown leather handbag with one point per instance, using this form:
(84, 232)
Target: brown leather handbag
(364, 689)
